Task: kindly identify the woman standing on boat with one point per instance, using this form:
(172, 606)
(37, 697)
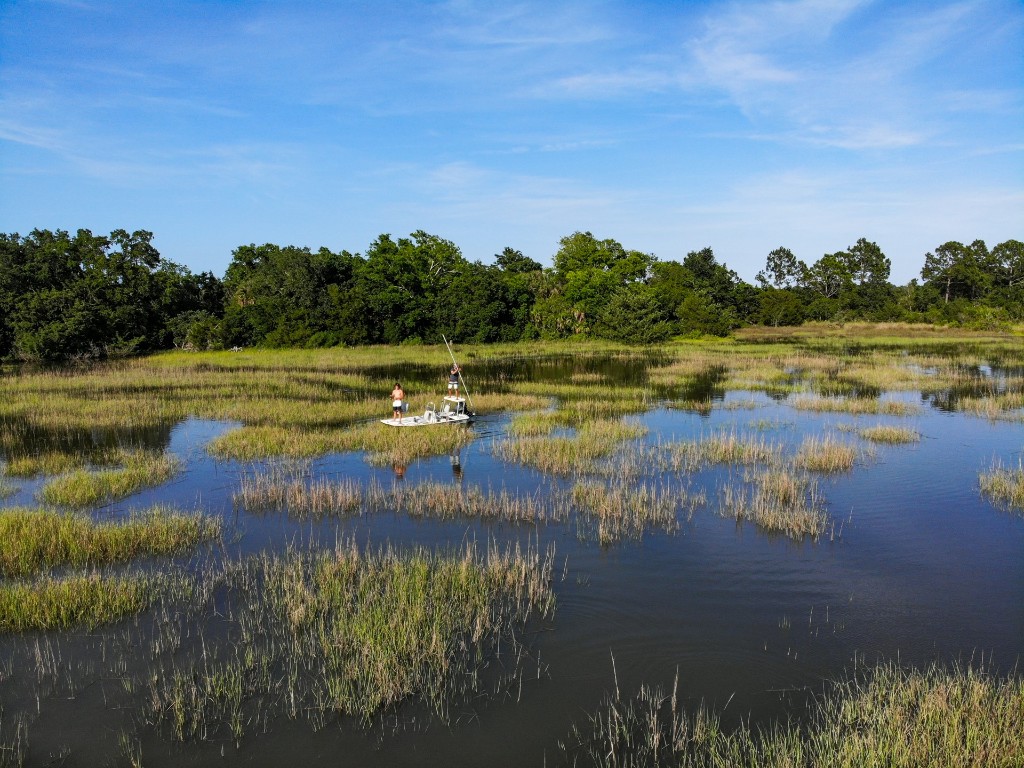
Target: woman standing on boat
(453, 380)
(397, 396)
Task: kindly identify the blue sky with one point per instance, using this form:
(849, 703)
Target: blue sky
(668, 126)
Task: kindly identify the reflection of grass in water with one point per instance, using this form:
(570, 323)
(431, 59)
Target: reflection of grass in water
(1004, 485)
(818, 454)
(887, 433)
(90, 600)
(777, 500)
(564, 455)
(352, 633)
(6, 487)
(83, 488)
(32, 540)
(889, 716)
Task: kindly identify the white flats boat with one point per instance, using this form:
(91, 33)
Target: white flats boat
(453, 411)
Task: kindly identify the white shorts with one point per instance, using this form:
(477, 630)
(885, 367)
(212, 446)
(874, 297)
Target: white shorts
(397, 405)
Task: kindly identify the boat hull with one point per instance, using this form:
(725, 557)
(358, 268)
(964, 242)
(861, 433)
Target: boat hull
(426, 421)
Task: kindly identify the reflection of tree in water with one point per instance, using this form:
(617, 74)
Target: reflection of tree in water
(629, 369)
(19, 439)
(977, 381)
(702, 387)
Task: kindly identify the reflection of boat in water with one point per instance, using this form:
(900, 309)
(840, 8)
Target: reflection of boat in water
(453, 411)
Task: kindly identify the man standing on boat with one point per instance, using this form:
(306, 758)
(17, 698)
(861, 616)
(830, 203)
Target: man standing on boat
(397, 396)
(453, 380)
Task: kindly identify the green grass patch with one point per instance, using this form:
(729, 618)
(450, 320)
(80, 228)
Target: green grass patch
(887, 433)
(84, 600)
(777, 500)
(1004, 485)
(818, 454)
(84, 488)
(854, 405)
(613, 513)
(352, 632)
(594, 440)
(722, 448)
(889, 717)
(33, 540)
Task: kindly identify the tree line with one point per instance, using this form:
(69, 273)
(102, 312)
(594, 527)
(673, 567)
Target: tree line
(66, 296)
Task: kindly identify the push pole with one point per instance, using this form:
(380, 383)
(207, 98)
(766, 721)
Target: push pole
(464, 387)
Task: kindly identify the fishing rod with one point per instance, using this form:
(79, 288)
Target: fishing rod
(464, 387)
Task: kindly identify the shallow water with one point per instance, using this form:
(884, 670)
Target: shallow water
(920, 568)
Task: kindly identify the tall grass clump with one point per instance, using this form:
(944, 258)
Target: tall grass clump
(1004, 485)
(887, 433)
(82, 600)
(32, 540)
(382, 444)
(13, 740)
(722, 448)
(778, 500)
(276, 491)
(593, 441)
(887, 717)
(83, 488)
(60, 461)
(855, 405)
(435, 500)
(353, 632)
(825, 455)
(614, 513)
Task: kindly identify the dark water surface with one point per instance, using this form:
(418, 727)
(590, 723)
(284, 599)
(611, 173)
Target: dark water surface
(921, 568)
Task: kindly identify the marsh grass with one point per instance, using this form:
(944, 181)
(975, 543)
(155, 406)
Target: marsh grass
(438, 500)
(434, 500)
(1004, 485)
(1006, 406)
(535, 424)
(778, 500)
(55, 462)
(888, 716)
(80, 600)
(83, 488)
(722, 448)
(856, 406)
(612, 513)
(7, 488)
(32, 540)
(13, 740)
(817, 454)
(594, 440)
(353, 632)
(887, 433)
(382, 444)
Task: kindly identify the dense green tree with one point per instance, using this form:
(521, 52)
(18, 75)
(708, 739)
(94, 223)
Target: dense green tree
(781, 270)
(699, 314)
(779, 306)
(958, 271)
(588, 272)
(635, 315)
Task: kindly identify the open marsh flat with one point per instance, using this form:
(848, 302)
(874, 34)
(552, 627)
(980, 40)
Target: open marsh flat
(750, 524)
